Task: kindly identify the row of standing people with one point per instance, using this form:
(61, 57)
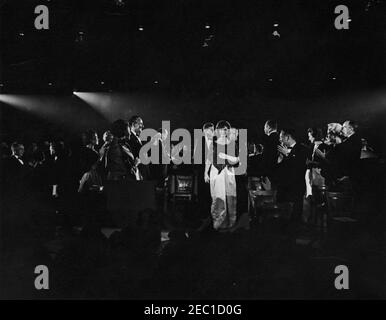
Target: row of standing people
(283, 161)
(291, 167)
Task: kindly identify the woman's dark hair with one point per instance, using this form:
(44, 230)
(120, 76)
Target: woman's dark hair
(89, 135)
(133, 120)
(222, 124)
(119, 128)
(317, 133)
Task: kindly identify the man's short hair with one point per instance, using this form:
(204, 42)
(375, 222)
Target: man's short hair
(353, 125)
(16, 145)
(335, 128)
(289, 132)
(271, 124)
(133, 120)
(207, 125)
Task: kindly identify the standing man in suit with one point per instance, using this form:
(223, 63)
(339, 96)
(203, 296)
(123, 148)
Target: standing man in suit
(16, 169)
(291, 172)
(350, 149)
(204, 197)
(270, 153)
(15, 197)
(136, 127)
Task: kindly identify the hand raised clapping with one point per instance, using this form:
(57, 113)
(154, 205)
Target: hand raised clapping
(223, 156)
(283, 150)
(320, 154)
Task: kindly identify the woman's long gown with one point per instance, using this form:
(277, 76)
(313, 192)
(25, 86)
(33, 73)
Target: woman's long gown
(222, 188)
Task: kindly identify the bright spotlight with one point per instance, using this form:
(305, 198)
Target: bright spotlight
(100, 101)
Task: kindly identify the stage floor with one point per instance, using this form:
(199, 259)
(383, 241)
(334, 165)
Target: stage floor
(265, 262)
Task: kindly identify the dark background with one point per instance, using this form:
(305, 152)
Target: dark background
(313, 74)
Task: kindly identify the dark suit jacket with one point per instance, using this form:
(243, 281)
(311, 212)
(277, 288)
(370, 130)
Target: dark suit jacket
(350, 153)
(270, 154)
(87, 157)
(15, 174)
(118, 163)
(204, 198)
(291, 183)
(204, 150)
(135, 147)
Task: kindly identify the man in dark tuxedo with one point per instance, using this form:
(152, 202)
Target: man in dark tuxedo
(136, 127)
(270, 154)
(350, 149)
(15, 167)
(291, 171)
(204, 197)
(15, 196)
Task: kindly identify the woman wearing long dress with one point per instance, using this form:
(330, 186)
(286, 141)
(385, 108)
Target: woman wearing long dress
(222, 179)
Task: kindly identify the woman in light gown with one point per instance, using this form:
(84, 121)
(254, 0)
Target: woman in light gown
(222, 178)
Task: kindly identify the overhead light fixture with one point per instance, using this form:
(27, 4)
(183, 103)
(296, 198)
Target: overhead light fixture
(80, 37)
(119, 3)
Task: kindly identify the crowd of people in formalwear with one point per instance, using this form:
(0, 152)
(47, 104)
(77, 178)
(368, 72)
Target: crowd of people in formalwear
(330, 158)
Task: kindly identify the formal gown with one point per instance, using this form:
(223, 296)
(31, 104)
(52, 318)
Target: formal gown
(223, 188)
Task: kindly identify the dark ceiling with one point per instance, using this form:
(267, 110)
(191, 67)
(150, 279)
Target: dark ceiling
(197, 46)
